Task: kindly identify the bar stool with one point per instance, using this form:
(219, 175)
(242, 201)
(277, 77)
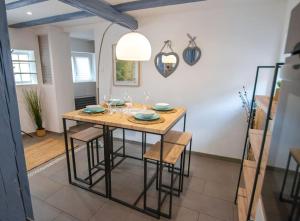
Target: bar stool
(181, 138)
(171, 154)
(87, 136)
(295, 154)
(111, 130)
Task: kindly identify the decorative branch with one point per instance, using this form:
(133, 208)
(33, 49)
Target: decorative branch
(246, 105)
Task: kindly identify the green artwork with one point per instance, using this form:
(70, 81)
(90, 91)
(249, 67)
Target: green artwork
(126, 70)
(125, 73)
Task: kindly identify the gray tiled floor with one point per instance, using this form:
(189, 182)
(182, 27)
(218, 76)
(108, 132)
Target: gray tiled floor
(207, 196)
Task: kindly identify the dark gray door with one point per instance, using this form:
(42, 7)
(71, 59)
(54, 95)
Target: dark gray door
(15, 201)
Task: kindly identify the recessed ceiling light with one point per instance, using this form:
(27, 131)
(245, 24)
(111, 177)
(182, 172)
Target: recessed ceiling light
(29, 13)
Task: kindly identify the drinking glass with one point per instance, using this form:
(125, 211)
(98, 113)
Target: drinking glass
(106, 99)
(146, 98)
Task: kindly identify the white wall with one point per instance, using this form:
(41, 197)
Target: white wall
(81, 45)
(57, 98)
(235, 36)
(25, 39)
(60, 53)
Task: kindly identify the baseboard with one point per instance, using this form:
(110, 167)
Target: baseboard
(217, 157)
(228, 159)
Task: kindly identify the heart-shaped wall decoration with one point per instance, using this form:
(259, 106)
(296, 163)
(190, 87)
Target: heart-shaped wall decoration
(166, 63)
(191, 55)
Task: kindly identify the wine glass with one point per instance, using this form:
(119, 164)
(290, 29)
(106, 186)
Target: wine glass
(106, 99)
(146, 98)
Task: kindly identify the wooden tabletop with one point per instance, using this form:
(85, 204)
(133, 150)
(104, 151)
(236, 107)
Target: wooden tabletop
(121, 120)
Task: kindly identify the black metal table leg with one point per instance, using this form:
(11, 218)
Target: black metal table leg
(294, 182)
(285, 178)
(124, 150)
(67, 150)
(145, 183)
(295, 202)
(160, 173)
(107, 160)
(112, 148)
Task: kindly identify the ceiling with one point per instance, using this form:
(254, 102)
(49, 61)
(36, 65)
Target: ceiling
(54, 7)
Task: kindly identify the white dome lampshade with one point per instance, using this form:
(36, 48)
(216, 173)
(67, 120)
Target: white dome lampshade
(133, 46)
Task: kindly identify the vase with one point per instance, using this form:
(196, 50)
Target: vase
(40, 132)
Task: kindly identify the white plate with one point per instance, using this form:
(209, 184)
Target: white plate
(162, 105)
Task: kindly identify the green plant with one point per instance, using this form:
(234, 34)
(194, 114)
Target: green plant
(278, 84)
(34, 106)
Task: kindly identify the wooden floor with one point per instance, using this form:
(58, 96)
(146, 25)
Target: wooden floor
(40, 150)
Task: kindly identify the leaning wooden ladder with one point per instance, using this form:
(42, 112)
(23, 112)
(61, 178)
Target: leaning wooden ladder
(254, 163)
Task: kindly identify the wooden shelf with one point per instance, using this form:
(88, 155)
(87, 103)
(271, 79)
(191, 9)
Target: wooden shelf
(249, 174)
(242, 204)
(263, 103)
(255, 137)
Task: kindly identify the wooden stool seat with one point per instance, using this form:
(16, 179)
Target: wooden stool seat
(171, 152)
(295, 152)
(88, 134)
(177, 137)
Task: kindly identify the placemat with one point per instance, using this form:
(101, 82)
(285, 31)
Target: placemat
(92, 114)
(166, 112)
(144, 122)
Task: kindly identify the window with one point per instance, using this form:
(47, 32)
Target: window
(83, 67)
(24, 67)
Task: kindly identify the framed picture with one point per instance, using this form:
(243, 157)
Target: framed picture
(125, 73)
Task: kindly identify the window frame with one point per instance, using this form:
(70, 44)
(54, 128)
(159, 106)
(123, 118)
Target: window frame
(91, 58)
(30, 62)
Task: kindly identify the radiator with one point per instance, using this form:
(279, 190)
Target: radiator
(81, 102)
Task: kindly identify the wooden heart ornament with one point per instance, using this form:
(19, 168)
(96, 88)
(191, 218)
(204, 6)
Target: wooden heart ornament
(192, 53)
(166, 63)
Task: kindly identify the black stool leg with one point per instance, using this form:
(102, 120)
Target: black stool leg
(182, 177)
(285, 177)
(294, 182)
(97, 151)
(92, 152)
(189, 163)
(73, 158)
(124, 151)
(89, 163)
(157, 171)
(295, 202)
(171, 191)
(143, 144)
(145, 183)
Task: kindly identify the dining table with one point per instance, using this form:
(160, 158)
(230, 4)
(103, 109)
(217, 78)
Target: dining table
(121, 118)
